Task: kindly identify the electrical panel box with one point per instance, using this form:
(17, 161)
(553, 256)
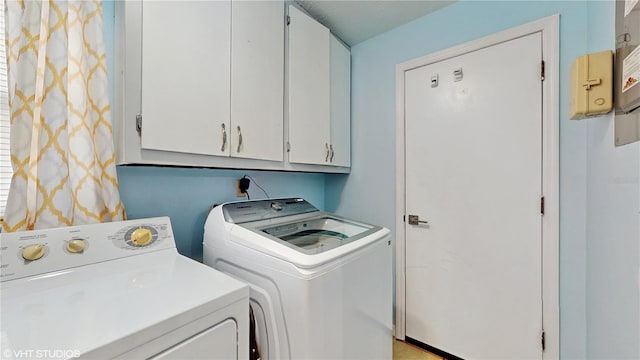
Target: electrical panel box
(626, 81)
(627, 85)
(591, 85)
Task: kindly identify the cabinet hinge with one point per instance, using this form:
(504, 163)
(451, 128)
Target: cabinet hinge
(542, 340)
(288, 20)
(542, 205)
(139, 124)
(288, 146)
(404, 218)
(542, 70)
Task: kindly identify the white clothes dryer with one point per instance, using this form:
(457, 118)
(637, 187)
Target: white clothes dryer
(321, 284)
(116, 290)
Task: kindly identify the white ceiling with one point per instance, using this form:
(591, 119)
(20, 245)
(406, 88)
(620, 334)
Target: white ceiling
(354, 21)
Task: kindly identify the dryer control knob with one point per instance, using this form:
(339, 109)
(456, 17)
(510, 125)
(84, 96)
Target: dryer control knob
(141, 237)
(76, 246)
(33, 252)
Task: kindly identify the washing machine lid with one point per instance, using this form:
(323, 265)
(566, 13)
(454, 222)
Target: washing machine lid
(296, 223)
(295, 231)
(318, 234)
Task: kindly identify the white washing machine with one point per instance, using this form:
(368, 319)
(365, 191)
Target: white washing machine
(116, 290)
(320, 283)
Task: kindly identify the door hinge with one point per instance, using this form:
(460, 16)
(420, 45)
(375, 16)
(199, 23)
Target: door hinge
(542, 71)
(404, 218)
(288, 146)
(542, 205)
(288, 20)
(139, 124)
(543, 340)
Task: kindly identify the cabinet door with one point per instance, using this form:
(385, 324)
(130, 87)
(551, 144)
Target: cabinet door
(309, 128)
(257, 79)
(340, 104)
(185, 76)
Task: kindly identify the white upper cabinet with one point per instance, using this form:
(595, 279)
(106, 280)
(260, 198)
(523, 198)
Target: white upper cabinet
(185, 76)
(257, 79)
(340, 104)
(203, 83)
(309, 90)
(319, 94)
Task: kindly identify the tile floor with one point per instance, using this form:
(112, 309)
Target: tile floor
(406, 351)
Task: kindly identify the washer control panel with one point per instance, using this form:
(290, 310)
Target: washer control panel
(247, 211)
(29, 253)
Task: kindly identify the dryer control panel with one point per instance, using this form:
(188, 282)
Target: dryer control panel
(247, 211)
(29, 253)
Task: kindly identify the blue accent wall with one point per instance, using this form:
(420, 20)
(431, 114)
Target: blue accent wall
(613, 226)
(599, 191)
(185, 194)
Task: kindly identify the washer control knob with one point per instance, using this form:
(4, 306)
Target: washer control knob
(276, 206)
(33, 252)
(141, 237)
(76, 246)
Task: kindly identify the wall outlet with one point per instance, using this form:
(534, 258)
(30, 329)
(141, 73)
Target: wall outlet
(238, 192)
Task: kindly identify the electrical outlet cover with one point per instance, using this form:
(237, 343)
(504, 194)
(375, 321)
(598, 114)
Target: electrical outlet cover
(238, 192)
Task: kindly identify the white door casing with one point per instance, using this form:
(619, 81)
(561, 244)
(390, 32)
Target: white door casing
(458, 139)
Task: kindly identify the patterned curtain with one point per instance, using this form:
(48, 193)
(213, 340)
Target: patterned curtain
(61, 136)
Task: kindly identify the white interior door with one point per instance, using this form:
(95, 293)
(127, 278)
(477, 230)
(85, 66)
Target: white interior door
(185, 76)
(473, 171)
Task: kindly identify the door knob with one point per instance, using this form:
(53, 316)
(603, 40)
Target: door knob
(415, 220)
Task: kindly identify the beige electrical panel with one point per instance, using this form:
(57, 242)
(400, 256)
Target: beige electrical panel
(591, 85)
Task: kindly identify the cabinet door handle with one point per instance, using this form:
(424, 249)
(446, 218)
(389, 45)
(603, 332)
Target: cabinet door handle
(326, 157)
(239, 138)
(224, 138)
(331, 150)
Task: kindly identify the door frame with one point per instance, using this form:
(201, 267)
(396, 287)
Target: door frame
(549, 28)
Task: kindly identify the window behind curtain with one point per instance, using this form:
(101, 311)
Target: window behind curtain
(5, 156)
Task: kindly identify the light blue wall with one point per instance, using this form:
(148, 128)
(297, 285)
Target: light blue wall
(185, 195)
(591, 170)
(613, 224)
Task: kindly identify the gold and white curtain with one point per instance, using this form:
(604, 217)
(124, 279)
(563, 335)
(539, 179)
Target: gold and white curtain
(61, 135)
